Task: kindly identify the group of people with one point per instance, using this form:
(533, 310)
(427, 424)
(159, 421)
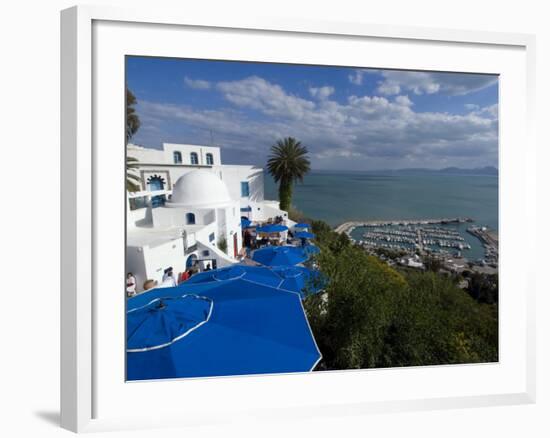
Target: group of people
(251, 242)
(168, 280)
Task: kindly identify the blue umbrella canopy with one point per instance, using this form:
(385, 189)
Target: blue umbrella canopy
(252, 329)
(310, 250)
(257, 274)
(289, 278)
(302, 225)
(245, 223)
(304, 235)
(300, 279)
(279, 256)
(163, 321)
(272, 228)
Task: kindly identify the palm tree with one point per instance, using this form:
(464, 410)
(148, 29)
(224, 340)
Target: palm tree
(287, 164)
(132, 126)
(132, 180)
(132, 119)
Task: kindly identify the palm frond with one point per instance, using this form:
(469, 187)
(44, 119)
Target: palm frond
(133, 177)
(133, 181)
(288, 160)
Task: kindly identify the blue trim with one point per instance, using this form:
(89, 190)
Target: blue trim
(190, 218)
(245, 189)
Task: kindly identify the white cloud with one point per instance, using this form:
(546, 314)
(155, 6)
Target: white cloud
(490, 111)
(388, 88)
(257, 93)
(356, 133)
(403, 100)
(197, 84)
(321, 92)
(357, 77)
(395, 82)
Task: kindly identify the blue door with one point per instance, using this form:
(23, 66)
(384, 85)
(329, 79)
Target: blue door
(190, 261)
(156, 183)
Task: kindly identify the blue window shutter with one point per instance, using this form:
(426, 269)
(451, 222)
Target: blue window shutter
(245, 188)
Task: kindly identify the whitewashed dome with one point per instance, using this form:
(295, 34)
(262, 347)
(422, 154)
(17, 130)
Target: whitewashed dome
(199, 188)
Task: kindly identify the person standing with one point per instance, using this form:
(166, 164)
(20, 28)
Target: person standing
(130, 284)
(184, 276)
(169, 280)
(247, 239)
(167, 273)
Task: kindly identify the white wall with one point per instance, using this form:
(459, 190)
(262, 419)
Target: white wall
(148, 154)
(135, 263)
(233, 175)
(166, 217)
(187, 149)
(159, 257)
(30, 50)
(145, 154)
(137, 217)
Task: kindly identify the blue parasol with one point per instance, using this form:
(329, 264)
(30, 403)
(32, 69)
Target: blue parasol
(164, 320)
(256, 274)
(249, 329)
(272, 228)
(245, 223)
(279, 256)
(300, 279)
(310, 250)
(304, 235)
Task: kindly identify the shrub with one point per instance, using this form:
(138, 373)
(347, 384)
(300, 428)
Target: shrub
(373, 316)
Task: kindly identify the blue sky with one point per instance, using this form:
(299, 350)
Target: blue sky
(348, 117)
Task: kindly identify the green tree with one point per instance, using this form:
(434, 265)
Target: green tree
(483, 287)
(132, 119)
(372, 315)
(432, 264)
(441, 324)
(132, 180)
(288, 163)
(222, 244)
(351, 322)
(132, 126)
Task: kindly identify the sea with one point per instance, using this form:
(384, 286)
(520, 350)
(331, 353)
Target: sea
(339, 196)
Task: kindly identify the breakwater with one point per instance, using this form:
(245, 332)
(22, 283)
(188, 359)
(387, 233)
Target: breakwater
(347, 227)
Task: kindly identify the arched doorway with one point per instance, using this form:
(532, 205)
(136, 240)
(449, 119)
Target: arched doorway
(190, 261)
(155, 183)
(190, 218)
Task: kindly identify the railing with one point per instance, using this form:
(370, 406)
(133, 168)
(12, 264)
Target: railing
(147, 193)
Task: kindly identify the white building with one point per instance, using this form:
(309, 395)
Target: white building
(190, 205)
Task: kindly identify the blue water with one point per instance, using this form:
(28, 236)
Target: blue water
(337, 197)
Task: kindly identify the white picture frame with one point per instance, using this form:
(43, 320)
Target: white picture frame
(83, 370)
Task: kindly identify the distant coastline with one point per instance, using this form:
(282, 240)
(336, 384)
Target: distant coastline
(476, 171)
(340, 197)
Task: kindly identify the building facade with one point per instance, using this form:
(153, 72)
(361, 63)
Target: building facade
(188, 211)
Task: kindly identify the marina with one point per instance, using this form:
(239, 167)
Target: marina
(441, 237)
(348, 226)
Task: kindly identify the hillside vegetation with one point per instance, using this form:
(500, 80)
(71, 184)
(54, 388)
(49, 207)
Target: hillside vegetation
(375, 316)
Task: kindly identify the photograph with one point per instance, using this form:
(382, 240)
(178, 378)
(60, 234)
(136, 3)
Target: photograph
(295, 218)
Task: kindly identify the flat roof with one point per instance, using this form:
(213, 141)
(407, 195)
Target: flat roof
(149, 236)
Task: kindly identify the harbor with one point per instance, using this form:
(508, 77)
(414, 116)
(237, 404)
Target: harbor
(456, 241)
(348, 226)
